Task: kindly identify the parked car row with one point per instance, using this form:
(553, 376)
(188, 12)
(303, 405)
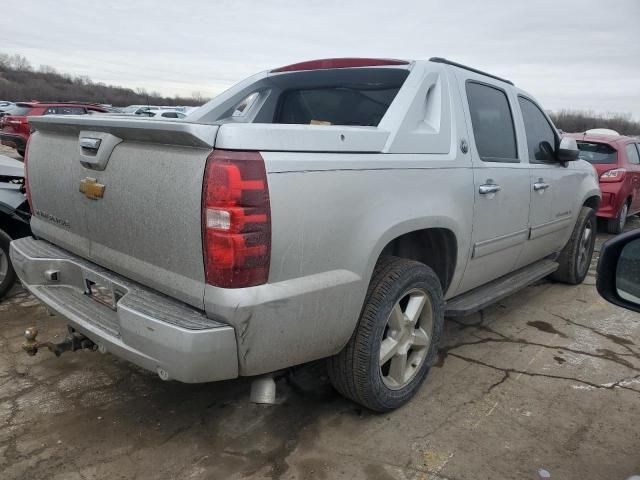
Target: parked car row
(14, 126)
(163, 114)
(147, 109)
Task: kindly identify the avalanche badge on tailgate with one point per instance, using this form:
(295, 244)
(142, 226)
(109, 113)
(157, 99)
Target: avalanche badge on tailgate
(91, 188)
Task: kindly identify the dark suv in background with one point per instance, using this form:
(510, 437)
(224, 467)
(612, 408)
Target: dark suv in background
(616, 158)
(15, 130)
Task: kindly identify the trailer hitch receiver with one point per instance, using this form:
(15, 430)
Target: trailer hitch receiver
(72, 342)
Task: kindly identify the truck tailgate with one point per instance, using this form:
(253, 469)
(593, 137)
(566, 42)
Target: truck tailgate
(145, 224)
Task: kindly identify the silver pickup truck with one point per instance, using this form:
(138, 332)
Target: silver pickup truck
(334, 209)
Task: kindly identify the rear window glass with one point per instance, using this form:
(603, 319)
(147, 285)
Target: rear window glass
(337, 105)
(334, 96)
(597, 152)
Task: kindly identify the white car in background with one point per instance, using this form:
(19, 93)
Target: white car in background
(5, 105)
(138, 109)
(163, 114)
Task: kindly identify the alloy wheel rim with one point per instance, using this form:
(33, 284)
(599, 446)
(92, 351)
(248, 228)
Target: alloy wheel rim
(585, 246)
(406, 339)
(623, 216)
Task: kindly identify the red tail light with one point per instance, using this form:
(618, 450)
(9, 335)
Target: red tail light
(615, 175)
(26, 177)
(236, 220)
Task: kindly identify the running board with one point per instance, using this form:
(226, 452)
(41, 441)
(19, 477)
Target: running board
(485, 295)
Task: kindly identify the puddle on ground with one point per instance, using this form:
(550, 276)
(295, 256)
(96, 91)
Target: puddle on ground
(545, 327)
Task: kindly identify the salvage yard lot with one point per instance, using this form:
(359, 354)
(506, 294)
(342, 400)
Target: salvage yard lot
(547, 379)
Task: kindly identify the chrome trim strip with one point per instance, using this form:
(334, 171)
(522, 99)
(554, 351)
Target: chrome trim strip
(549, 227)
(493, 245)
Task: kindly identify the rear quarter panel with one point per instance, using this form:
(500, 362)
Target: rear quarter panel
(329, 226)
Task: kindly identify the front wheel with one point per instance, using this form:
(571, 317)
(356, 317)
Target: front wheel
(575, 258)
(395, 341)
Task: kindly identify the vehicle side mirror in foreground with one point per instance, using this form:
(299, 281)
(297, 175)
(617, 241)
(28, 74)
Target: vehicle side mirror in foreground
(619, 271)
(567, 150)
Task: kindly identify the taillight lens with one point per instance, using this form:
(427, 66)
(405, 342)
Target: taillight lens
(615, 175)
(236, 219)
(26, 176)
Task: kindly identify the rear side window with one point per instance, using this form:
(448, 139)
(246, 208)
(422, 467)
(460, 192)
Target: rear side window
(597, 153)
(341, 105)
(538, 130)
(632, 154)
(492, 123)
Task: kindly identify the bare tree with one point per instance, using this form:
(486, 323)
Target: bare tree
(20, 63)
(47, 69)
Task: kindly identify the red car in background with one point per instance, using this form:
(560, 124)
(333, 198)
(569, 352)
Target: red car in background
(616, 158)
(15, 130)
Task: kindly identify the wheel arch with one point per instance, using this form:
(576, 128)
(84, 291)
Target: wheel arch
(592, 201)
(435, 245)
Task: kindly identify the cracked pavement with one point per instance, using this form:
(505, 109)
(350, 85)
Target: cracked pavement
(549, 379)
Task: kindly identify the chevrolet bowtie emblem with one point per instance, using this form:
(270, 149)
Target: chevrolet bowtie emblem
(91, 188)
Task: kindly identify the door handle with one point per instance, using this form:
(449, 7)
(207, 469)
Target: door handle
(540, 186)
(489, 188)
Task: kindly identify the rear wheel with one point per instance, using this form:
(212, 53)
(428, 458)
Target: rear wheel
(616, 225)
(575, 258)
(7, 274)
(395, 341)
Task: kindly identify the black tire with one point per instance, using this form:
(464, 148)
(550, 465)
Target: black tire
(574, 262)
(616, 225)
(20, 151)
(10, 277)
(356, 371)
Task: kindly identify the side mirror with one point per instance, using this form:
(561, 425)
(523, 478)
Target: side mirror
(568, 150)
(618, 279)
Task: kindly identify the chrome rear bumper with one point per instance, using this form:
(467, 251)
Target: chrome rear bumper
(146, 328)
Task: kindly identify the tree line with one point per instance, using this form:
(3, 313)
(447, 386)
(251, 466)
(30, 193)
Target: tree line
(575, 121)
(20, 81)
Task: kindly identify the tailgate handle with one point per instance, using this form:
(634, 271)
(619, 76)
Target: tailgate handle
(90, 143)
(95, 148)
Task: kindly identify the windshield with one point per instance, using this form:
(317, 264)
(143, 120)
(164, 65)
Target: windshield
(597, 152)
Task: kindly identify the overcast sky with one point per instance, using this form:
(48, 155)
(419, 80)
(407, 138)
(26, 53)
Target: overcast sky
(569, 54)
